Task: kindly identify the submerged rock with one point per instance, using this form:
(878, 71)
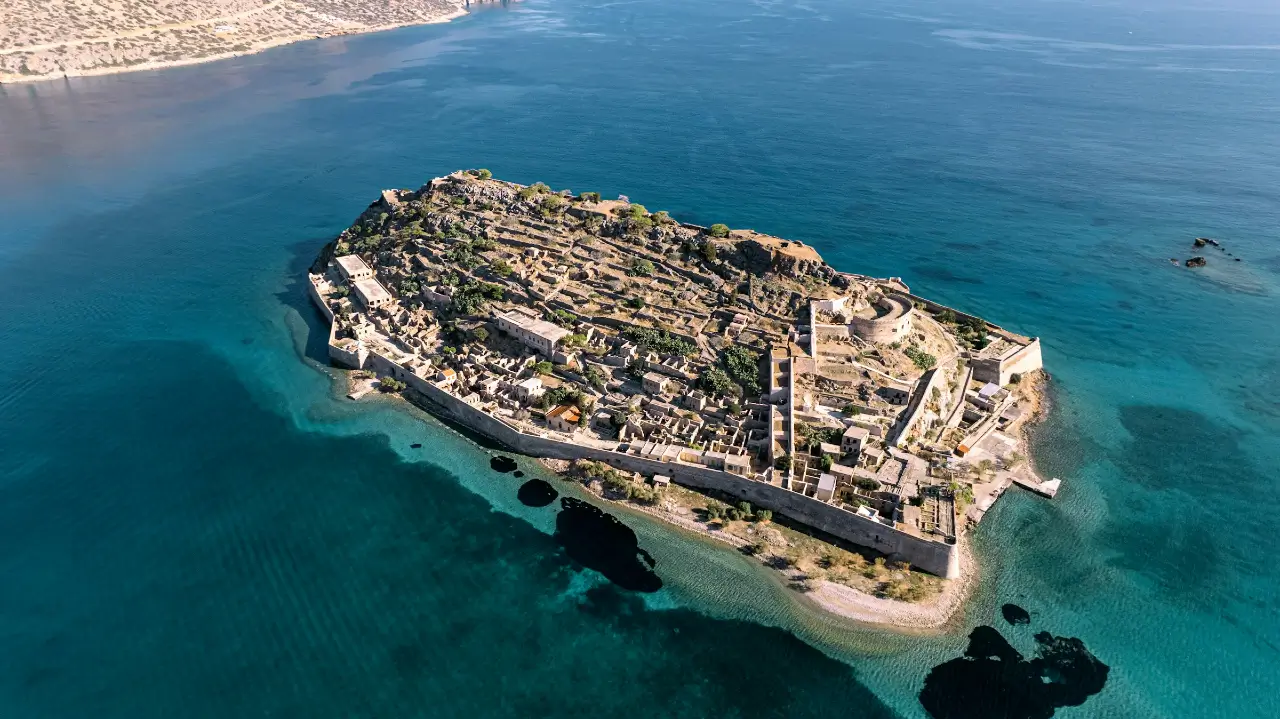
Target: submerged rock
(1015, 615)
(518, 474)
(994, 680)
(415, 446)
(1197, 261)
(537, 493)
(597, 540)
(502, 464)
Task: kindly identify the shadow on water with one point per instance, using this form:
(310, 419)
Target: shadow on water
(1015, 615)
(993, 680)
(294, 296)
(601, 542)
(537, 493)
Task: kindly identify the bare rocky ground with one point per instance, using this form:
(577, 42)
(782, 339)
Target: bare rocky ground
(41, 39)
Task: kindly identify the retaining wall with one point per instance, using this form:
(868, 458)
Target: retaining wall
(939, 558)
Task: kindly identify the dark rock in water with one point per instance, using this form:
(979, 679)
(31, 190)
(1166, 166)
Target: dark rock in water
(518, 474)
(502, 464)
(1201, 242)
(994, 680)
(415, 446)
(537, 493)
(598, 540)
(1197, 261)
(1015, 615)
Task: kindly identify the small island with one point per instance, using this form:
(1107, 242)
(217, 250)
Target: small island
(719, 378)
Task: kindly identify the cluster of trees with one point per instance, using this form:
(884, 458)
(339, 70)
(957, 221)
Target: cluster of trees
(409, 287)
(718, 512)
(922, 359)
(743, 367)
(716, 382)
(659, 341)
(811, 435)
(534, 189)
(472, 297)
(551, 205)
(482, 173)
(617, 482)
(462, 255)
(594, 378)
(567, 395)
(563, 318)
(390, 384)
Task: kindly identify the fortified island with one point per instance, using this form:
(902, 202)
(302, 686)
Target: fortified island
(571, 327)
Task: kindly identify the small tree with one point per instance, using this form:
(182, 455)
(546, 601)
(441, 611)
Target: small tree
(484, 174)
(709, 252)
(744, 507)
(501, 268)
(718, 230)
(480, 334)
(542, 367)
(783, 463)
(590, 197)
(764, 516)
(640, 267)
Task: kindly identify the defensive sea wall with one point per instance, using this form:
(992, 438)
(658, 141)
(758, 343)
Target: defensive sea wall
(937, 557)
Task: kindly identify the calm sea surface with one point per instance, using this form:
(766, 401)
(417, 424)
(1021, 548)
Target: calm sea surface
(191, 524)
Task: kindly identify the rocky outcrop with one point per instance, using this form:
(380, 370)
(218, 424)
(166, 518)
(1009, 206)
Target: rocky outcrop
(1196, 261)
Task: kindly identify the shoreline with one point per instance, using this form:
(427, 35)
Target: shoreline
(254, 50)
(929, 617)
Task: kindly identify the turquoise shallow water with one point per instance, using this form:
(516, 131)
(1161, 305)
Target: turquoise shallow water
(193, 526)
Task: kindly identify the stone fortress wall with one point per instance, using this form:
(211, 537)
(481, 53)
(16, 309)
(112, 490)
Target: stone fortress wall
(933, 556)
(891, 327)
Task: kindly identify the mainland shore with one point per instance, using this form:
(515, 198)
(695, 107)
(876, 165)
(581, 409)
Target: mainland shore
(40, 46)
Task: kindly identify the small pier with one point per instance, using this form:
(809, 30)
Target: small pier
(1048, 488)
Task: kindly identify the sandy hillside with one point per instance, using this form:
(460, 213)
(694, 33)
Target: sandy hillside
(50, 38)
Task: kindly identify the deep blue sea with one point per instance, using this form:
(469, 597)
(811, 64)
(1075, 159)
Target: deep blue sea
(193, 523)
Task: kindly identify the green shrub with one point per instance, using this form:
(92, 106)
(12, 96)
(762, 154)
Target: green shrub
(922, 359)
(718, 230)
(641, 267)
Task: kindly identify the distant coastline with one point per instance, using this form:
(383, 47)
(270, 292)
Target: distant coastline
(338, 28)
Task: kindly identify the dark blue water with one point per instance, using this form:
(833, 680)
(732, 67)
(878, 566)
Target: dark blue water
(193, 525)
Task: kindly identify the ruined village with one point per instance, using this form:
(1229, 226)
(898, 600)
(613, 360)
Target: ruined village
(569, 326)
